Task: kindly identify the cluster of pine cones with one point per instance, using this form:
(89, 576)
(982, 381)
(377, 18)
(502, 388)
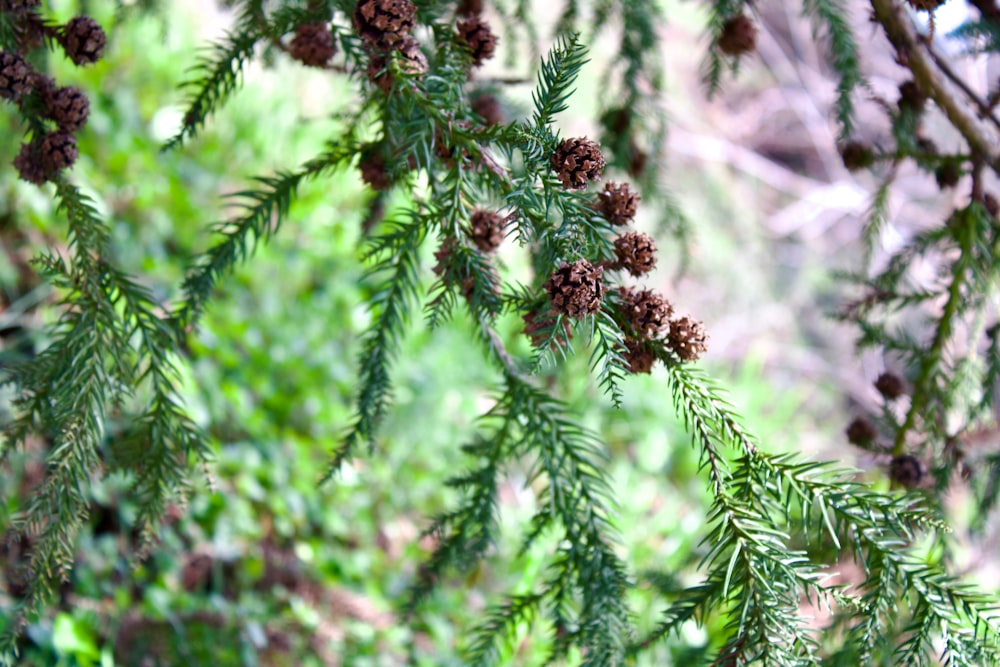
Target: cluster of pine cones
(38, 95)
(578, 289)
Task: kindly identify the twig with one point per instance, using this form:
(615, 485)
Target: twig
(913, 54)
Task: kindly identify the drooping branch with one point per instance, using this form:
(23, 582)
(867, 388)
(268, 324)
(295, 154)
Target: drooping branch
(913, 52)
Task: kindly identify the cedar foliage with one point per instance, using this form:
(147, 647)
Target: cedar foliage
(114, 347)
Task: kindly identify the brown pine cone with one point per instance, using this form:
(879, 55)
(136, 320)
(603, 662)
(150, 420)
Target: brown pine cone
(687, 338)
(906, 470)
(16, 76)
(948, 173)
(59, 150)
(890, 385)
(636, 253)
(470, 7)
(83, 40)
(856, 155)
(637, 160)
(412, 61)
(646, 313)
(617, 203)
(638, 355)
(373, 167)
(384, 24)
(860, 432)
(486, 230)
(577, 161)
(313, 44)
(538, 326)
(29, 165)
(576, 289)
(488, 108)
(926, 5)
(68, 107)
(475, 33)
(739, 36)
(911, 97)
(18, 5)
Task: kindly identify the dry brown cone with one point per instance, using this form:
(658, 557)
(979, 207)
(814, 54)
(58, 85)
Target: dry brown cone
(313, 44)
(856, 155)
(59, 150)
(68, 107)
(906, 470)
(646, 313)
(538, 326)
(890, 385)
(637, 160)
(373, 167)
(488, 108)
(635, 252)
(18, 5)
(412, 61)
(638, 355)
(576, 289)
(617, 203)
(911, 96)
(861, 432)
(470, 7)
(739, 36)
(83, 40)
(475, 33)
(486, 230)
(687, 339)
(29, 165)
(577, 161)
(384, 24)
(16, 76)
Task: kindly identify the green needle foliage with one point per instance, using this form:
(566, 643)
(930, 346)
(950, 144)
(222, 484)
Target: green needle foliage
(105, 392)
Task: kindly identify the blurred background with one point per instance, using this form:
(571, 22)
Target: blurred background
(266, 568)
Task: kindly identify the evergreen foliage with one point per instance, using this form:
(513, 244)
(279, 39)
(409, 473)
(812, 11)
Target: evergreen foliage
(778, 523)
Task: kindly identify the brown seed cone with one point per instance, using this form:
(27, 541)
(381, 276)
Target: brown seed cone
(577, 161)
(470, 7)
(617, 203)
(911, 96)
(59, 150)
(856, 155)
(373, 167)
(18, 5)
(948, 173)
(83, 40)
(646, 313)
(576, 289)
(384, 24)
(636, 253)
(739, 36)
(687, 338)
(926, 5)
(538, 325)
(637, 160)
(486, 230)
(638, 355)
(890, 385)
(488, 108)
(475, 33)
(313, 44)
(29, 165)
(860, 432)
(412, 61)
(906, 470)
(16, 76)
(68, 107)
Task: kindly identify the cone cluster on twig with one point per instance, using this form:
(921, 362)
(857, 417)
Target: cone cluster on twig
(384, 26)
(577, 289)
(83, 41)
